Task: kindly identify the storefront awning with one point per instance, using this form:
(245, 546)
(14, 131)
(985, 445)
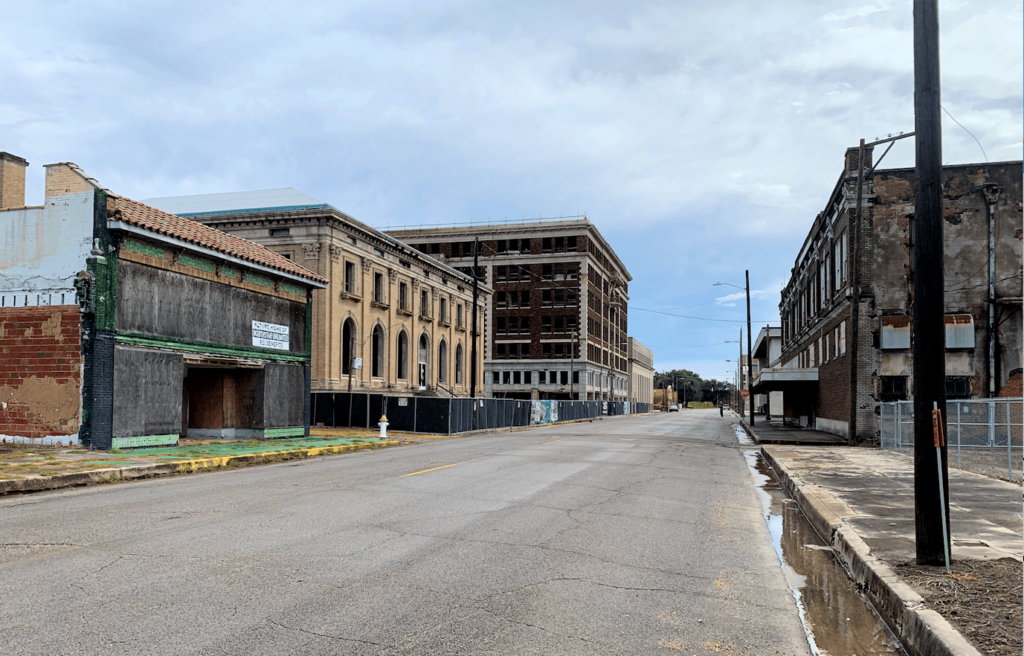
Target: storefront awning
(780, 380)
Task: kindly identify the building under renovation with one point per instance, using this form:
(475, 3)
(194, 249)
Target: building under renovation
(835, 370)
(556, 324)
(123, 326)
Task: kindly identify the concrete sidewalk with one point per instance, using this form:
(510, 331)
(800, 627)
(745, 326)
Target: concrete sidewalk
(861, 501)
(764, 432)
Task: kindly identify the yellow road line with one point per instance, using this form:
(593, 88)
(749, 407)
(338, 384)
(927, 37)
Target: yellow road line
(552, 442)
(430, 470)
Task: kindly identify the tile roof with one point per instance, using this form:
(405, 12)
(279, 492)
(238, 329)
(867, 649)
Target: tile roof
(165, 223)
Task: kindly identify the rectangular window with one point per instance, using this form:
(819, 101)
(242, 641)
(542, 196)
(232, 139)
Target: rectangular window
(546, 245)
(527, 378)
(895, 332)
(500, 327)
(403, 296)
(424, 304)
(959, 331)
(842, 338)
(502, 246)
(459, 318)
(546, 350)
(501, 300)
(499, 351)
(495, 377)
(524, 273)
(501, 274)
(378, 287)
(570, 244)
(542, 377)
(546, 272)
(559, 298)
(524, 325)
(571, 298)
(894, 388)
(507, 377)
(545, 324)
(524, 298)
(958, 387)
(546, 298)
(559, 244)
(842, 247)
(350, 277)
(564, 375)
(517, 378)
(443, 310)
(280, 232)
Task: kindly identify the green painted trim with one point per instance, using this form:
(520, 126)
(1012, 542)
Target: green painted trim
(196, 263)
(228, 273)
(209, 347)
(145, 249)
(145, 440)
(309, 325)
(104, 273)
(298, 431)
(292, 289)
(259, 280)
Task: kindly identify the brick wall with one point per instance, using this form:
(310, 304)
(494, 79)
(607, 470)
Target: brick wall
(40, 371)
(1014, 387)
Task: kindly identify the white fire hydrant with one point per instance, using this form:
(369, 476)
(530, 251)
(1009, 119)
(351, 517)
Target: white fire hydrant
(383, 426)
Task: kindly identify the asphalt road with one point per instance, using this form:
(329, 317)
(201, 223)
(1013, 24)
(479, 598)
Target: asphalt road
(623, 536)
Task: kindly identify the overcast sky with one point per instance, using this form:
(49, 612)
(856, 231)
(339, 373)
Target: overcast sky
(702, 138)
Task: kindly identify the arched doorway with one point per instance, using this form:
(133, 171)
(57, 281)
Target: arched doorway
(423, 358)
(377, 352)
(403, 356)
(348, 345)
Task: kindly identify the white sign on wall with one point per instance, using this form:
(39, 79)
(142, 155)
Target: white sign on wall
(270, 335)
(357, 363)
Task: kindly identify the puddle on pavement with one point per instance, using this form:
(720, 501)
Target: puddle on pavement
(837, 619)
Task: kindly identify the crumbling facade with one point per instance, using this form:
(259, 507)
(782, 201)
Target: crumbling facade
(557, 322)
(125, 326)
(836, 369)
(391, 320)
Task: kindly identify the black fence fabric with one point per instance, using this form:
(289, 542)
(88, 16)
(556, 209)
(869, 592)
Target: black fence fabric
(427, 414)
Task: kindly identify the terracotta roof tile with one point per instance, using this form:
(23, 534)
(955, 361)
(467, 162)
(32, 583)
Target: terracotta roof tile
(171, 225)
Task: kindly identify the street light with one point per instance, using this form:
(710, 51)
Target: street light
(750, 361)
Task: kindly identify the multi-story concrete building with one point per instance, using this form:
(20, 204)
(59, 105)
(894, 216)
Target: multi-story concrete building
(124, 326)
(391, 320)
(641, 372)
(846, 310)
(556, 326)
(767, 351)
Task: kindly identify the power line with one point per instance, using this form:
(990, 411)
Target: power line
(984, 154)
(683, 316)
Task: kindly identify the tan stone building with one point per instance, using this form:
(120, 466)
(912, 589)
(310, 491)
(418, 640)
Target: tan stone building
(641, 372)
(391, 320)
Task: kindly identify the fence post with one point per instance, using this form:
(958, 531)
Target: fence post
(898, 432)
(992, 424)
(1009, 445)
(958, 404)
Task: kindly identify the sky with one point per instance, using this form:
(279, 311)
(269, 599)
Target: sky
(701, 138)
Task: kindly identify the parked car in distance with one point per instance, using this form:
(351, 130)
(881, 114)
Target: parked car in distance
(673, 408)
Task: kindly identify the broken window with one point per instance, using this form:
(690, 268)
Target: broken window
(894, 388)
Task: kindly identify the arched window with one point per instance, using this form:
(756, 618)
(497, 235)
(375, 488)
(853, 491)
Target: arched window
(458, 364)
(442, 362)
(403, 356)
(377, 368)
(348, 345)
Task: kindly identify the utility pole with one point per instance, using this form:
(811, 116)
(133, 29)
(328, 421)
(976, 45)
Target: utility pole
(473, 367)
(931, 503)
(739, 378)
(750, 357)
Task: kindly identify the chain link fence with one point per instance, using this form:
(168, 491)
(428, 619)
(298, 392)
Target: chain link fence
(986, 436)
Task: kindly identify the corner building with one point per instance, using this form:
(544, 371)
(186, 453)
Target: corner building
(557, 322)
(391, 321)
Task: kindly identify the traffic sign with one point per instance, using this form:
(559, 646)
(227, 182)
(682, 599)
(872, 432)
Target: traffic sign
(745, 393)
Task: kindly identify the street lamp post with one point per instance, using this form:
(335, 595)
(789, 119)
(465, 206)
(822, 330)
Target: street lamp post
(750, 355)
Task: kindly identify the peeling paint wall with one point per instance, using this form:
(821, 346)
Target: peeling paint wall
(43, 248)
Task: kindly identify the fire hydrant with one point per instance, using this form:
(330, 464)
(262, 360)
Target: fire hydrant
(383, 426)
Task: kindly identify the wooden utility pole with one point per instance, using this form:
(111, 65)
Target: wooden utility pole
(929, 337)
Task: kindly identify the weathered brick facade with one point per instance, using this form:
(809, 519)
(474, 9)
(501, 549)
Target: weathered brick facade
(847, 268)
(40, 372)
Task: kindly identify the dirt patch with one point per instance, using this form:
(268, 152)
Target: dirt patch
(981, 598)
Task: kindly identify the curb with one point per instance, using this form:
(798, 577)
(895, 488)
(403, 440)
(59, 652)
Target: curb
(136, 472)
(750, 432)
(922, 631)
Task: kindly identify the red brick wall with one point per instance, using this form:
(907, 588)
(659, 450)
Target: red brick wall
(1014, 387)
(40, 371)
